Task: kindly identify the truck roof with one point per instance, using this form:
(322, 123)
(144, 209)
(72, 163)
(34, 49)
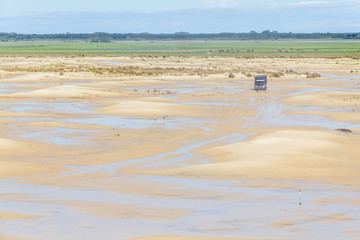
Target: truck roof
(260, 77)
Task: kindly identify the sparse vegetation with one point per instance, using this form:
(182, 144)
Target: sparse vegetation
(312, 75)
(277, 74)
(110, 70)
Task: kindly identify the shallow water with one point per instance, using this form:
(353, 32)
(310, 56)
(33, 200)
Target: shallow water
(224, 208)
(60, 136)
(274, 114)
(237, 211)
(197, 87)
(6, 88)
(141, 123)
(59, 107)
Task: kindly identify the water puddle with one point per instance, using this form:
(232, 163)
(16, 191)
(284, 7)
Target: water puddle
(210, 103)
(184, 154)
(6, 88)
(60, 136)
(141, 123)
(42, 106)
(274, 114)
(316, 90)
(184, 89)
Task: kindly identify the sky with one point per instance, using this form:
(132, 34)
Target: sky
(165, 16)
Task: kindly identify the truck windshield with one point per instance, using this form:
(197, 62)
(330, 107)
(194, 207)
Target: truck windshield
(260, 82)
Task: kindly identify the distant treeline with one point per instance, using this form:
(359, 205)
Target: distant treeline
(108, 37)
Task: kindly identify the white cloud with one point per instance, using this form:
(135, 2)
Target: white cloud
(178, 24)
(302, 3)
(353, 25)
(221, 3)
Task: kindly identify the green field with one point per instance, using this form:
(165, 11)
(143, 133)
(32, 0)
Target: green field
(234, 48)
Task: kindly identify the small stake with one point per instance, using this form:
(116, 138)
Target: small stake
(300, 197)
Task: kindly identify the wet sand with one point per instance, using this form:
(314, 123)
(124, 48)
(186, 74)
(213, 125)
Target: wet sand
(172, 148)
(191, 238)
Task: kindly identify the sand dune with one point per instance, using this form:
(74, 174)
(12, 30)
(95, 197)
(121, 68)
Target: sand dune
(140, 108)
(346, 116)
(116, 210)
(12, 215)
(7, 143)
(290, 154)
(331, 99)
(65, 91)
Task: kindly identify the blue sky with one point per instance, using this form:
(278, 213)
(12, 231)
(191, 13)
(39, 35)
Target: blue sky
(163, 16)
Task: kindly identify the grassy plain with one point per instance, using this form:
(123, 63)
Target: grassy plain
(244, 48)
